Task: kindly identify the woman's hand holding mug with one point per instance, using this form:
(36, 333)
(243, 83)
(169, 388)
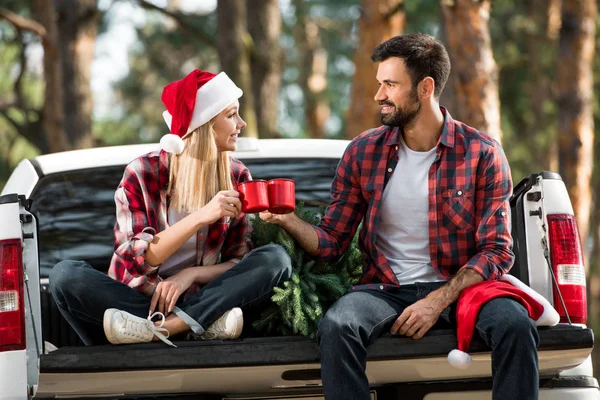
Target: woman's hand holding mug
(226, 203)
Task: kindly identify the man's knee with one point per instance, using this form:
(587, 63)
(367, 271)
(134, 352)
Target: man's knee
(517, 327)
(334, 324)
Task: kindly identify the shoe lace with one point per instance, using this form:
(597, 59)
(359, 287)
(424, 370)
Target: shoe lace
(158, 331)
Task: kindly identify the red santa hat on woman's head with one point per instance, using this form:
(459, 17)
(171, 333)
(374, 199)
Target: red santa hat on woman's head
(474, 297)
(193, 101)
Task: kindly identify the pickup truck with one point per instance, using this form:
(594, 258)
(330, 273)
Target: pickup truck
(60, 206)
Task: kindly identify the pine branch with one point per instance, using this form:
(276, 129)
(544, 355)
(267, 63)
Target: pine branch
(301, 302)
(23, 23)
(183, 20)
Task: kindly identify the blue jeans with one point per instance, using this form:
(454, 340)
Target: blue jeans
(360, 317)
(83, 293)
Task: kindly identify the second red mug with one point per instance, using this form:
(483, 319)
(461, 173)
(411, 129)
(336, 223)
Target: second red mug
(282, 195)
(278, 196)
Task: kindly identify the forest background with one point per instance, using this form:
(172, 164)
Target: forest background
(86, 73)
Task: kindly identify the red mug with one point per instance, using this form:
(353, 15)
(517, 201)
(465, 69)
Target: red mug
(253, 195)
(282, 195)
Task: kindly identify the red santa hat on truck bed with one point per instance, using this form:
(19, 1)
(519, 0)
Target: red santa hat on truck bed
(474, 297)
(193, 101)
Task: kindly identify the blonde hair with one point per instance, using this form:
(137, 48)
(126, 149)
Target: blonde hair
(199, 172)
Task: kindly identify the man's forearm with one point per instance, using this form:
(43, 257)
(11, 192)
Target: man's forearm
(304, 233)
(449, 293)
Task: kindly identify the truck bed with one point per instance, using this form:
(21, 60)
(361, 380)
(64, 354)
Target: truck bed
(257, 368)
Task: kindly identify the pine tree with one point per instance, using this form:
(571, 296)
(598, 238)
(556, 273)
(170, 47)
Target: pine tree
(299, 304)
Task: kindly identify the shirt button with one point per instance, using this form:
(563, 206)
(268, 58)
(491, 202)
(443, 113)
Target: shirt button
(459, 193)
(396, 147)
(389, 170)
(503, 214)
(381, 287)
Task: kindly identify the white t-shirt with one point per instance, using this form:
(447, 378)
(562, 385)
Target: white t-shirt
(403, 233)
(183, 258)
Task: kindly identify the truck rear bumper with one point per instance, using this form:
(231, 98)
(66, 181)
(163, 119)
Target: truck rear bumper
(572, 388)
(275, 364)
(545, 394)
(277, 378)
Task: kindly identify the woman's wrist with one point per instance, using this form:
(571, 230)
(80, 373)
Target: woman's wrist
(200, 218)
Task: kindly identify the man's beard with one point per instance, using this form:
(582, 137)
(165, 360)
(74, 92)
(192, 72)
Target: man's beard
(401, 117)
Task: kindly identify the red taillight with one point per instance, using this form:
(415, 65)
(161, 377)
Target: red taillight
(567, 265)
(12, 311)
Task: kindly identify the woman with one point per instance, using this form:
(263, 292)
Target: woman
(181, 240)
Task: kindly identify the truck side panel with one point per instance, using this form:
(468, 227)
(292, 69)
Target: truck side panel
(33, 314)
(22, 372)
(13, 363)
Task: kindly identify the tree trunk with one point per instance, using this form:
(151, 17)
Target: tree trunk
(448, 96)
(53, 113)
(233, 46)
(264, 24)
(575, 107)
(313, 71)
(474, 71)
(379, 20)
(542, 42)
(78, 29)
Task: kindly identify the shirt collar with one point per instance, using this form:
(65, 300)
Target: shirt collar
(393, 136)
(448, 132)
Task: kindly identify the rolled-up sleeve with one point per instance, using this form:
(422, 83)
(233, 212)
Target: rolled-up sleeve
(132, 237)
(493, 237)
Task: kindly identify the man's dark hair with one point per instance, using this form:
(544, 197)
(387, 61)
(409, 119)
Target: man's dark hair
(423, 56)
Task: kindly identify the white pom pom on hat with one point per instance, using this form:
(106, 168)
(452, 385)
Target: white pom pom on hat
(172, 143)
(474, 297)
(459, 359)
(193, 101)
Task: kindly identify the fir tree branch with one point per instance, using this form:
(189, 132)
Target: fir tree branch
(313, 286)
(23, 23)
(183, 20)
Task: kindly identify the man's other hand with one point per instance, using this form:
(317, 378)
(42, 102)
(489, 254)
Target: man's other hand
(416, 320)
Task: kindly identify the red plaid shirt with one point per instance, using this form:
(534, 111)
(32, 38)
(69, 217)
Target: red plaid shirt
(142, 202)
(469, 212)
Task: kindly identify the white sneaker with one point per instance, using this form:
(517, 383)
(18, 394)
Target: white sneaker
(121, 327)
(229, 326)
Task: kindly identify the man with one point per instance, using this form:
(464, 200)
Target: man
(432, 194)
